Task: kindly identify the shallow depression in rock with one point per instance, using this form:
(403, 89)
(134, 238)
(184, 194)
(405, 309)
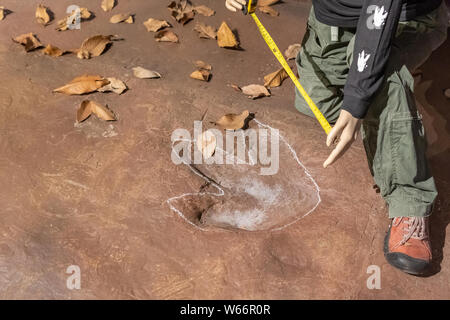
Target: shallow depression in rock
(246, 200)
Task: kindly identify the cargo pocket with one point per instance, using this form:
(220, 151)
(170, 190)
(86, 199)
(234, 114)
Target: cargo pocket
(310, 45)
(407, 138)
(408, 147)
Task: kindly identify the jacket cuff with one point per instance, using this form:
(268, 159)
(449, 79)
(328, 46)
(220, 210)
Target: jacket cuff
(356, 106)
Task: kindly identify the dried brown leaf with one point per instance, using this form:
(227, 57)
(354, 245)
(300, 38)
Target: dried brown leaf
(266, 3)
(269, 10)
(89, 107)
(103, 112)
(53, 51)
(84, 14)
(185, 17)
(206, 144)
(93, 46)
(29, 41)
(114, 85)
(42, 15)
(84, 111)
(186, 5)
(205, 31)
(292, 51)
(4, 12)
(173, 5)
(86, 77)
(236, 87)
(181, 5)
(83, 84)
(201, 74)
(226, 37)
(108, 5)
(233, 121)
(203, 65)
(182, 11)
(142, 73)
(155, 25)
(204, 10)
(275, 79)
(254, 91)
(121, 17)
(166, 36)
(62, 25)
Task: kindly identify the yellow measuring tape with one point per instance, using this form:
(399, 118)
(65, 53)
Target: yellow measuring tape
(273, 46)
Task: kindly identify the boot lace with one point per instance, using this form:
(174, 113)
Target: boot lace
(415, 228)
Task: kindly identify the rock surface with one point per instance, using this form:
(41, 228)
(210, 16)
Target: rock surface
(95, 194)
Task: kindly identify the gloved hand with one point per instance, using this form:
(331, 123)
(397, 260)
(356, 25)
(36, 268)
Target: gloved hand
(345, 130)
(234, 5)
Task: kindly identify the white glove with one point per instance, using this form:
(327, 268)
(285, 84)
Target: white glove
(234, 5)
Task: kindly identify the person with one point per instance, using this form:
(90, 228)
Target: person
(356, 61)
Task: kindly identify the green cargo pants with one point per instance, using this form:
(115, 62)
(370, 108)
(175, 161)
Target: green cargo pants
(392, 131)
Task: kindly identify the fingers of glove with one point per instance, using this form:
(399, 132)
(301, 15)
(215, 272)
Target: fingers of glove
(236, 4)
(355, 136)
(334, 134)
(229, 7)
(345, 142)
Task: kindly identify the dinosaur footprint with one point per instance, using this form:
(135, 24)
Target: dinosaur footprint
(237, 196)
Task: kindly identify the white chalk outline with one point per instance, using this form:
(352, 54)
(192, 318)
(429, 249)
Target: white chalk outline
(221, 192)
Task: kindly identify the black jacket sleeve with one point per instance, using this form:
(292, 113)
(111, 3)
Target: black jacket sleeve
(377, 26)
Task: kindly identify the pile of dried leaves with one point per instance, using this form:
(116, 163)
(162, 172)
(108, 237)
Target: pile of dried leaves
(91, 47)
(182, 11)
(88, 84)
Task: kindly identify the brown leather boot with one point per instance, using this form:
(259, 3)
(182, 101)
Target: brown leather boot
(407, 246)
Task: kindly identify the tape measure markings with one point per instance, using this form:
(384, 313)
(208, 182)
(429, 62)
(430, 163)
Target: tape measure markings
(274, 48)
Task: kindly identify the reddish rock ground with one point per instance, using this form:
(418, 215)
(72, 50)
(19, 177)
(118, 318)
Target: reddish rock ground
(95, 195)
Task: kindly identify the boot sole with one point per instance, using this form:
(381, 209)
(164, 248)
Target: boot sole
(402, 261)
